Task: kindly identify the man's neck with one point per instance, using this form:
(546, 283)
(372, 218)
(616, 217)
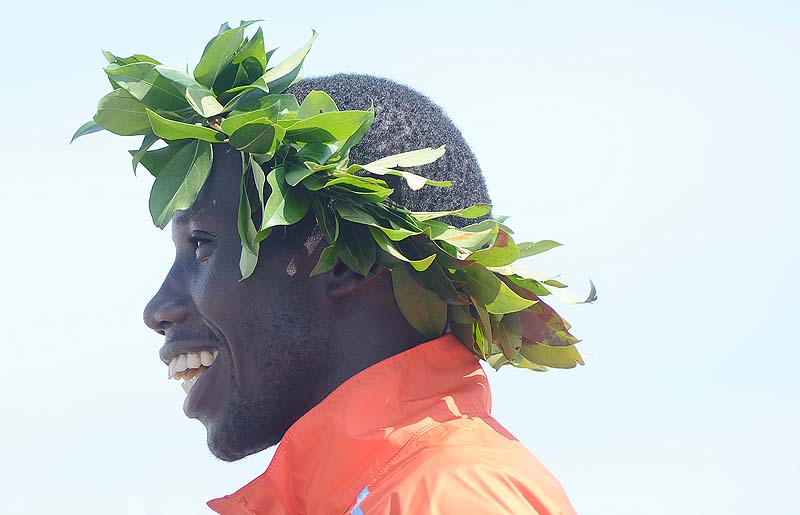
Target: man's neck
(367, 330)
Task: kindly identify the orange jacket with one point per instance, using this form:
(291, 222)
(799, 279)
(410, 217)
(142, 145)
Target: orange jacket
(409, 435)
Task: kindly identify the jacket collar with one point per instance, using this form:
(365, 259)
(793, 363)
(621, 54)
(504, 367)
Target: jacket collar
(338, 447)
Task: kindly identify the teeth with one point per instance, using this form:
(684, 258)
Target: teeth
(189, 366)
(180, 366)
(193, 360)
(206, 358)
(187, 385)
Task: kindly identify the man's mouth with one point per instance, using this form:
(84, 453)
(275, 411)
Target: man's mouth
(190, 366)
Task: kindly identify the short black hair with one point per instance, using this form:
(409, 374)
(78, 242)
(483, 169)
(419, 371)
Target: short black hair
(405, 119)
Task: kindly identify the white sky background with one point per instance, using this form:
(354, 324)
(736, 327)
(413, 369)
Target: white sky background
(658, 141)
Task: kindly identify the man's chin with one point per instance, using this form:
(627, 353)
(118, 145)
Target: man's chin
(231, 446)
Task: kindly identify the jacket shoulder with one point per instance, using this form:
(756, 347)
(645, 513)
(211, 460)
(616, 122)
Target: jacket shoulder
(470, 464)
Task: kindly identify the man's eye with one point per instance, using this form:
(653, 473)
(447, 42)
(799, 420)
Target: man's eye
(201, 245)
(198, 242)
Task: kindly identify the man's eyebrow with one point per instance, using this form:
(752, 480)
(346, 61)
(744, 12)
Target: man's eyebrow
(182, 218)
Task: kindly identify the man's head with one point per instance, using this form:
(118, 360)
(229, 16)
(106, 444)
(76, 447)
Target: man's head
(286, 340)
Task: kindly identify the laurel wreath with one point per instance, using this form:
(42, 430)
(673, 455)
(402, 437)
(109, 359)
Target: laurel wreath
(462, 279)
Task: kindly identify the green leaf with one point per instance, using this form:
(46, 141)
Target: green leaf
(459, 314)
(247, 65)
(247, 263)
(534, 287)
(492, 292)
(253, 49)
(414, 181)
(122, 61)
(546, 283)
(483, 331)
(316, 152)
(450, 257)
(476, 211)
(398, 218)
(327, 127)
(296, 172)
(520, 271)
(231, 123)
(201, 99)
(469, 237)
(122, 114)
(252, 58)
(316, 102)
(87, 128)
(172, 130)
(368, 183)
(147, 142)
(502, 252)
(555, 357)
(155, 160)
(233, 75)
(437, 280)
(569, 298)
(285, 205)
(500, 221)
(521, 362)
(465, 333)
(326, 219)
(386, 245)
(256, 99)
(356, 137)
(287, 72)
(327, 260)
(219, 52)
(259, 177)
(423, 309)
(541, 323)
(507, 334)
(257, 137)
(592, 293)
(497, 360)
(179, 180)
(313, 183)
(356, 189)
(146, 84)
(357, 249)
(270, 53)
(247, 229)
(357, 215)
(419, 157)
(528, 249)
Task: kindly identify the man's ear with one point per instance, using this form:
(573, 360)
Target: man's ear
(343, 281)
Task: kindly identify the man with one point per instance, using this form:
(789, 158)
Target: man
(371, 416)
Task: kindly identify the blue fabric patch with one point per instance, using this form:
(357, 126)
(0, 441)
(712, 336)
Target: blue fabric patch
(357, 508)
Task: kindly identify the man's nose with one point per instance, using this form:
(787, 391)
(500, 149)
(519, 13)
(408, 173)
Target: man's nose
(166, 308)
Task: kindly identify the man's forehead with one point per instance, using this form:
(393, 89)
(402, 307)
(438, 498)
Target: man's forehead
(201, 211)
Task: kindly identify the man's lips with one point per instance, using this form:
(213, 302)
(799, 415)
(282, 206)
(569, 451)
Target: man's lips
(173, 348)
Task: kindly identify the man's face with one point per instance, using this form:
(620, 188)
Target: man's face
(267, 330)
